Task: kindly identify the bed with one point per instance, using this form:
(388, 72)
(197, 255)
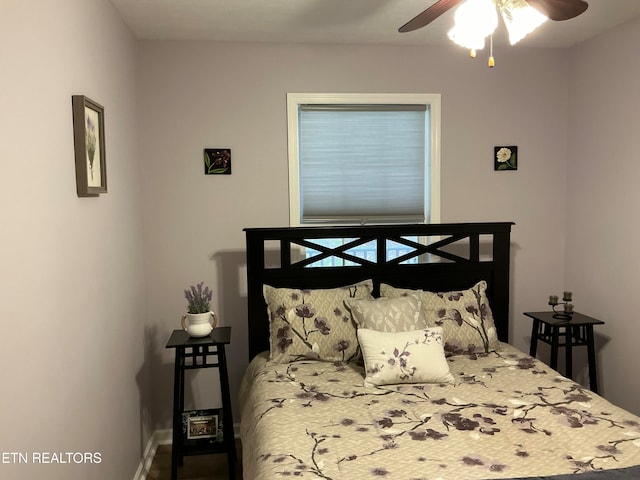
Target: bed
(397, 365)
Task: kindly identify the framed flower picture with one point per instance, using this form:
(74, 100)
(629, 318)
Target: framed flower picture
(217, 161)
(89, 145)
(505, 158)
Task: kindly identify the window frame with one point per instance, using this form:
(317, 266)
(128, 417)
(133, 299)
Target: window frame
(294, 100)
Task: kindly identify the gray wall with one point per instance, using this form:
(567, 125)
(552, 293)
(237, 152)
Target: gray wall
(72, 297)
(603, 171)
(197, 95)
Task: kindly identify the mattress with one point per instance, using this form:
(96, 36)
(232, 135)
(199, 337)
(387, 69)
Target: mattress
(508, 415)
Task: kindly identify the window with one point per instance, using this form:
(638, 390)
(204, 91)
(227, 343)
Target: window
(367, 251)
(363, 158)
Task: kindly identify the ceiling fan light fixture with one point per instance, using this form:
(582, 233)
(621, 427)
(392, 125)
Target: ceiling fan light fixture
(520, 19)
(474, 21)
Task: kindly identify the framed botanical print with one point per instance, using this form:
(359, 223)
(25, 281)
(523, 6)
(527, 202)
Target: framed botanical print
(89, 145)
(217, 161)
(505, 158)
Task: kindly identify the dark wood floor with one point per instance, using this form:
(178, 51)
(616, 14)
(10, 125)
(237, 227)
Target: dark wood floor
(196, 467)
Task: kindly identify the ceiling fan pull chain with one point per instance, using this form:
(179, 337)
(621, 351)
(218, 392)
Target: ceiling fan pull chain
(492, 61)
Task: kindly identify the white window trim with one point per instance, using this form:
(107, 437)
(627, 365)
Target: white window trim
(296, 99)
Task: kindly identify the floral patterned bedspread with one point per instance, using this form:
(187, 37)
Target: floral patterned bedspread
(507, 416)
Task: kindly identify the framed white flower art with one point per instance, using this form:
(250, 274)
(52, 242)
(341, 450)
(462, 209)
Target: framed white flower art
(89, 145)
(505, 158)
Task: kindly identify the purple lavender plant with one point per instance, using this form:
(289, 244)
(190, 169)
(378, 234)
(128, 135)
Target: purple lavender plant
(198, 299)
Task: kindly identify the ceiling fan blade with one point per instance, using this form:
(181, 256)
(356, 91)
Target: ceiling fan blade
(559, 10)
(429, 15)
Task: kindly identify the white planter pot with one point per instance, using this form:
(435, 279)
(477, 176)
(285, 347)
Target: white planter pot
(199, 324)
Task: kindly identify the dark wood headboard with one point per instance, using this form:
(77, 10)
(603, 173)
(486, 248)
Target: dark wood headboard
(450, 257)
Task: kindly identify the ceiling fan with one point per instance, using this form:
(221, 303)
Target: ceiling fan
(475, 20)
(557, 10)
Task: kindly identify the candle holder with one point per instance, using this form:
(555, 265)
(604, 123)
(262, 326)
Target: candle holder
(567, 314)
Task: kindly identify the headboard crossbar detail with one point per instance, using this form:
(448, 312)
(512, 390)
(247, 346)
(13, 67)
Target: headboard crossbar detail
(436, 257)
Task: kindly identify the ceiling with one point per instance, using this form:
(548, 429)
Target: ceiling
(338, 21)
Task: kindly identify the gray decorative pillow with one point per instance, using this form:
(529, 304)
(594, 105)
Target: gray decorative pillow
(388, 314)
(464, 315)
(404, 357)
(313, 324)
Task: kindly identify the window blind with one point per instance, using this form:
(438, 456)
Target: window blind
(363, 163)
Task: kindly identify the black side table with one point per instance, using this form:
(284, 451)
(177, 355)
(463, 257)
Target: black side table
(577, 331)
(193, 353)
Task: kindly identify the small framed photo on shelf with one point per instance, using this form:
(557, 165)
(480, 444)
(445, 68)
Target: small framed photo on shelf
(202, 424)
(89, 146)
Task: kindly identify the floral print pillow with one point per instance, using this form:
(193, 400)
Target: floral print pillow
(404, 357)
(464, 315)
(388, 314)
(313, 324)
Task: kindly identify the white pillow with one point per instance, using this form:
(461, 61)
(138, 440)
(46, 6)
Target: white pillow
(388, 314)
(416, 356)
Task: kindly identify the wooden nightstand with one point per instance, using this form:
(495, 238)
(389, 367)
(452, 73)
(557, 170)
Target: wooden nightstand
(193, 353)
(576, 332)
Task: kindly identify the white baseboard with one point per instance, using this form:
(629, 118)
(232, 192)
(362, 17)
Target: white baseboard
(159, 437)
(162, 437)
